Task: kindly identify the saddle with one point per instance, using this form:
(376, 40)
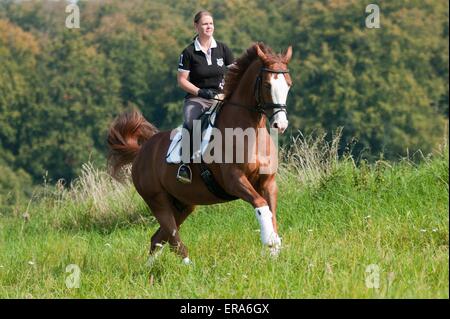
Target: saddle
(207, 120)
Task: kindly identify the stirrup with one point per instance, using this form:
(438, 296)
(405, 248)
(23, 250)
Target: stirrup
(184, 174)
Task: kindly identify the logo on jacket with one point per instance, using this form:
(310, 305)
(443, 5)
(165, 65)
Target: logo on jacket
(180, 62)
(220, 62)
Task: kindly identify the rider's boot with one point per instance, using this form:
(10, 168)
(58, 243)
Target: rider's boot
(184, 173)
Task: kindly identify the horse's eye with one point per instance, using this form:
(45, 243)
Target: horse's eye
(267, 85)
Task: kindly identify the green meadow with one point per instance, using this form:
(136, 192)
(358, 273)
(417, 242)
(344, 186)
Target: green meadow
(349, 231)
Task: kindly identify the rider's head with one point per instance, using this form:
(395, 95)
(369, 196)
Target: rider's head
(204, 24)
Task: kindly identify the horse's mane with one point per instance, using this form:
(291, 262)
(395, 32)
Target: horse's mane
(238, 68)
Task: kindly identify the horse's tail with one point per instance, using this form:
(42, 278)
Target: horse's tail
(126, 135)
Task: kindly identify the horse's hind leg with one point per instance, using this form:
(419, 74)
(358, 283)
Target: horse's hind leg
(161, 237)
(170, 220)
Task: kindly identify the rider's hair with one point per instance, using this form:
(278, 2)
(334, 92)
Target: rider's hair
(198, 16)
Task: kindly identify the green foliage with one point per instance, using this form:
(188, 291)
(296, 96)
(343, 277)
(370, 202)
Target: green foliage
(381, 85)
(15, 187)
(60, 88)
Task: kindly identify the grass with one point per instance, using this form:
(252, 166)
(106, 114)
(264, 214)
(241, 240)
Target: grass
(335, 219)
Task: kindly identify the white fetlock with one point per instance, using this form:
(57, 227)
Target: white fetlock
(264, 216)
(187, 261)
(275, 241)
(152, 258)
(275, 249)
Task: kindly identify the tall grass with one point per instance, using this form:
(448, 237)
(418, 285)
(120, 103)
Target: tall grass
(310, 158)
(335, 217)
(93, 200)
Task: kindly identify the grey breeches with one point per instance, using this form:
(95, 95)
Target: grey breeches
(193, 107)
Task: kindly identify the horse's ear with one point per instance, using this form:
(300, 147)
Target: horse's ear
(260, 53)
(287, 55)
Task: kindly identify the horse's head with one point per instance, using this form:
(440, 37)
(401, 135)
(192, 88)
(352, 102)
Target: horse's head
(272, 87)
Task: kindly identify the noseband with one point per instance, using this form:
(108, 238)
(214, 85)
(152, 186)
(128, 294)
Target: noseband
(261, 105)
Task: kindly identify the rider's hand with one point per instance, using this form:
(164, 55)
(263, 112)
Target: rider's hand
(207, 93)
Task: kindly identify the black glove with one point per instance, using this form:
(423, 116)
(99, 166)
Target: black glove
(207, 93)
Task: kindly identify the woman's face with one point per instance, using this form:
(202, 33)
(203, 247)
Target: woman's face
(205, 26)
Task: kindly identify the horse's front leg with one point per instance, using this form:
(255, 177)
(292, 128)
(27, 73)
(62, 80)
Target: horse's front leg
(269, 190)
(240, 186)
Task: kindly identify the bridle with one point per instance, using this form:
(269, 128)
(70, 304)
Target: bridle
(261, 105)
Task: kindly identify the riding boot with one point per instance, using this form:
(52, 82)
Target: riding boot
(184, 173)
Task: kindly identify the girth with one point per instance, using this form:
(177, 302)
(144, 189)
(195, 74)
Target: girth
(212, 184)
(205, 172)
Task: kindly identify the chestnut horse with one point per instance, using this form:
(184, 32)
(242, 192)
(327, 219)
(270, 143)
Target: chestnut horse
(256, 87)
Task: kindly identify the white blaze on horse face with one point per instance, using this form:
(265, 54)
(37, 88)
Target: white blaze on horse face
(279, 90)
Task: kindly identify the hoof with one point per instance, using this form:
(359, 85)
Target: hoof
(275, 246)
(275, 251)
(152, 258)
(187, 261)
(150, 261)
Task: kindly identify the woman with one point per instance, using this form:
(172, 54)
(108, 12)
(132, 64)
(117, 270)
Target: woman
(201, 71)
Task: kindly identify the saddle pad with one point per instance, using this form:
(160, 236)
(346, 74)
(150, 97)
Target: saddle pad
(207, 123)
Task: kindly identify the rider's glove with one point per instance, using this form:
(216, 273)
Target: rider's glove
(207, 93)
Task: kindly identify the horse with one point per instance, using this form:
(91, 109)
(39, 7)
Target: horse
(255, 90)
